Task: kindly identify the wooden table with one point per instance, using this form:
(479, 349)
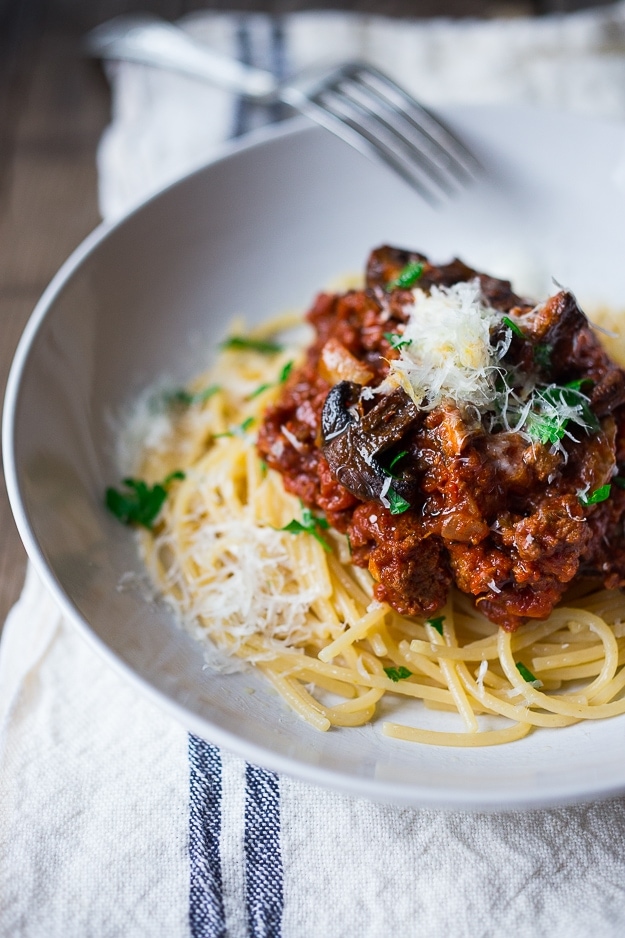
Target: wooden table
(54, 105)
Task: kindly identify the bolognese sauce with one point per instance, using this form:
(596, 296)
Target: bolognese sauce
(457, 433)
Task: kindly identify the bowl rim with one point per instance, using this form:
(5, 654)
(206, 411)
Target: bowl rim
(452, 798)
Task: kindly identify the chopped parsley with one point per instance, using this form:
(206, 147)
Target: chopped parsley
(397, 504)
(599, 495)
(436, 623)
(393, 463)
(242, 343)
(542, 355)
(310, 524)
(259, 390)
(284, 374)
(397, 458)
(397, 674)
(552, 410)
(407, 277)
(397, 341)
(239, 430)
(140, 503)
(510, 323)
(525, 673)
(579, 383)
(187, 398)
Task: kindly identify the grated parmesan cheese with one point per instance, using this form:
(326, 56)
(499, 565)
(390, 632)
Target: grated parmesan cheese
(235, 581)
(449, 354)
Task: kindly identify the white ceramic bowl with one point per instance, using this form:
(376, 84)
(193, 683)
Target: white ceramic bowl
(254, 233)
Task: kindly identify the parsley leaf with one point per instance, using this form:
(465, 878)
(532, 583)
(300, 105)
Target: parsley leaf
(309, 519)
(140, 503)
(397, 674)
(397, 458)
(510, 323)
(436, 623)
(177, 474)
(542, 355)
(284, 374)
(407, 277)
(553, 408)
(599, 495)
(395, 340)
(187, 398)
(397, 504)
(309, 524)
(259, 390)
(242, 343)
(239, 430)
(525, 673)
(579, 383)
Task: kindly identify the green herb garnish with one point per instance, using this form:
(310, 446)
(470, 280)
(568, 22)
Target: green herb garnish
(397, 504)
(239, 430)
(436, 623)
(176, 475)
(309, 524)
(525, 673)
(578, 383)
(284, 374)
(397, 674)
(553, 408)
(397, 458)
(141, 503)
(599, 495)
(542, 355)
(619, 481)
(241, 342)
(259, 390)
(407, 277)
(187, 398)
(510, 323)
(397, 341)
(263, 467)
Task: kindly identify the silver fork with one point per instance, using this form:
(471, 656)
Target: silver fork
(355, 101)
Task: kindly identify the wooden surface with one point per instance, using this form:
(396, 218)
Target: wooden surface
(54, 105)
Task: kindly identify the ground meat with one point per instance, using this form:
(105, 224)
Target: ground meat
(508, 518)
(408, 563)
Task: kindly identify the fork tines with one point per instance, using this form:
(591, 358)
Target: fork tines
(374, 114)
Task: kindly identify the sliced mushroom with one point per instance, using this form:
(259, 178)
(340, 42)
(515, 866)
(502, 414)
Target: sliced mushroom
(354, 442)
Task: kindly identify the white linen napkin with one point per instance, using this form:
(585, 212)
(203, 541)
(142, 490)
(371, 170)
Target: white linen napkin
(114, 822)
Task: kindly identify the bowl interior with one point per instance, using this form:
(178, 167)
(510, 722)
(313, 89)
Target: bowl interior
(251, 235)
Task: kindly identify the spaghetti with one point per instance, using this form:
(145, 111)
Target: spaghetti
(258, 576)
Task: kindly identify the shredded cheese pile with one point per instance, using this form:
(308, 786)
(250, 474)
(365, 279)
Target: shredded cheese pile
(237, 579)
(447, 351)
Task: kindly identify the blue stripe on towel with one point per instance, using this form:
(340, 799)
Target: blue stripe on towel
(263, 860)
(206, 909)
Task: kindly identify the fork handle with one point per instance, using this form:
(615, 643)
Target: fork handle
(152, 41)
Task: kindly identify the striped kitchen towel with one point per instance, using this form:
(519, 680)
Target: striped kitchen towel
(114, 821)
